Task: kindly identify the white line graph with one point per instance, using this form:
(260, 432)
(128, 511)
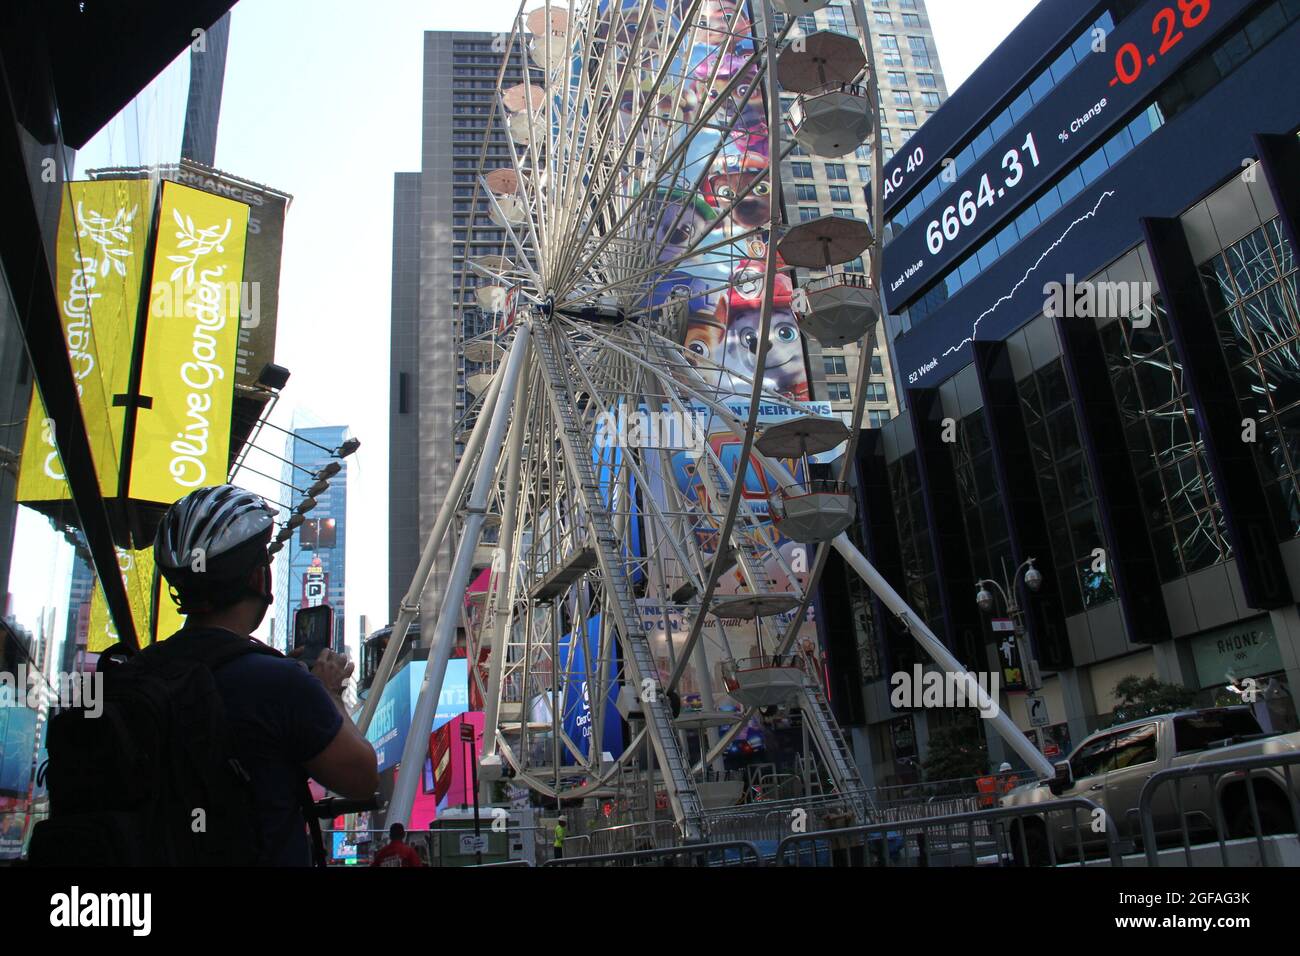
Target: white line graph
(1030, 271)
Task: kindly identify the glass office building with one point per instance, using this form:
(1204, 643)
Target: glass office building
(312, 568)
(1090, 276)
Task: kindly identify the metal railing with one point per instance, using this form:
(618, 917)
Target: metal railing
(435, 847)
(985, 837)
(626, 837)
(732, 853)
(813, 486)
(1254, 776)
(852, 280)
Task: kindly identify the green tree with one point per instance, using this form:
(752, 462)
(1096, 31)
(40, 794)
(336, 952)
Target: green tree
(1143, 696)
(955, 752)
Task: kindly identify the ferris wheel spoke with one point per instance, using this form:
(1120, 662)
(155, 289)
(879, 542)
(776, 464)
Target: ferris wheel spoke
(678, 148)
(620, 160)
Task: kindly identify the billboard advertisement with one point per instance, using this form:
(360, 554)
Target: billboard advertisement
(99, 267)
(260, 299)
(315, 585)
(579, 661)
(392, 720)
(449, 755)
(18, 736)
(182, 438)
(720, 202)
(137, 569)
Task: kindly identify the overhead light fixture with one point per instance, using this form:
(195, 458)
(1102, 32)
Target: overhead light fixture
(305, 505)
(318, 489)
(329, 471)
(273, 376)
(348, 447)
(293, 522)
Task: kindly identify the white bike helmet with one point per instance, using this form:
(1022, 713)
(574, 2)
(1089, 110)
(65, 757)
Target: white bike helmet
(211, 540)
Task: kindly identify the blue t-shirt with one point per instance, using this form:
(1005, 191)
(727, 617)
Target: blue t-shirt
(280, 717)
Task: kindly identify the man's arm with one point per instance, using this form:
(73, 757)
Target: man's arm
(347, 765)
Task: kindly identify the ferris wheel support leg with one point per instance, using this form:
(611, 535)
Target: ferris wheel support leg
(502, 618)
(1003, 724)
(417, 738)
(410, 605)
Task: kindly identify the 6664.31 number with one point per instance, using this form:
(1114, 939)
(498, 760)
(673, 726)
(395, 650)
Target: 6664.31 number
(950, 224)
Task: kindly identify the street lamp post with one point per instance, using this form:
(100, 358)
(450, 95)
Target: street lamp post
(1033, 579)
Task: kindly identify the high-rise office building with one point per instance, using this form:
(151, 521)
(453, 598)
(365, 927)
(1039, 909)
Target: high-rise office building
(912, 88)
(312, 568)
(207, 81)
(1094, 315)
(431, 223)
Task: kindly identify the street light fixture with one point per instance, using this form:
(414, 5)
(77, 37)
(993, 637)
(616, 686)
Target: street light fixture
(1033, 579)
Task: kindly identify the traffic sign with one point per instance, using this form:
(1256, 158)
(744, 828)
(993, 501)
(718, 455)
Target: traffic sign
(1037, 708)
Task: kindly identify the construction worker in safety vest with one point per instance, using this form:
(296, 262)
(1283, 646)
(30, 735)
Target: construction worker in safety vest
(559, 838)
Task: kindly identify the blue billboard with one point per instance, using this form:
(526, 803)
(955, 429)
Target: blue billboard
(579, 662)
(1145, 49)
(392, 720)
(17, 747)
(1152, 165)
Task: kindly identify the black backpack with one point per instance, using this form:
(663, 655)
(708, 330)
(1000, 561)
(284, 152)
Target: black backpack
(152, 781)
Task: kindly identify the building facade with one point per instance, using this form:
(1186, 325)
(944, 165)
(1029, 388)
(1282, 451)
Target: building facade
(1091, 285)
(312, 568)
(433, 306)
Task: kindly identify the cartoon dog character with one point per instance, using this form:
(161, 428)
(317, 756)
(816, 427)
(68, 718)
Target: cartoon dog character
(740, 309)
(732, 174)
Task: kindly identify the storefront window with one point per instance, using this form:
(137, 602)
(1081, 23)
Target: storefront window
(1065, 483)
(1251, 289)
(1182, 511)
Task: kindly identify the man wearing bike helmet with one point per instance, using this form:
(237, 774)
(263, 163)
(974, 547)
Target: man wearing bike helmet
(287, 723)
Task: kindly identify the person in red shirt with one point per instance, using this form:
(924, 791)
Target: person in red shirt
(397, 853)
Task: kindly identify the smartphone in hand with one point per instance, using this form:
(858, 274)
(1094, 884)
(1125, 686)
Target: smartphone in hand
(313, 632)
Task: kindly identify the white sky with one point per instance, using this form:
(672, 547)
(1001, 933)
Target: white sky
(322, 100)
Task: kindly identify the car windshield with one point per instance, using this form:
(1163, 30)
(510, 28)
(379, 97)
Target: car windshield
(1197, 731)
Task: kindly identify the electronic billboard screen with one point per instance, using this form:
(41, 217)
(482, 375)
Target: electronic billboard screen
(1143, 51)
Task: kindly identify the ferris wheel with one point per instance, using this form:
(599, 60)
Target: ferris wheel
(647, 494)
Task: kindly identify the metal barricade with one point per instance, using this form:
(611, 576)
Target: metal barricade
(433, 846)
(990, 838)
(1253, 772)
(732, 853)
(649, 834)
